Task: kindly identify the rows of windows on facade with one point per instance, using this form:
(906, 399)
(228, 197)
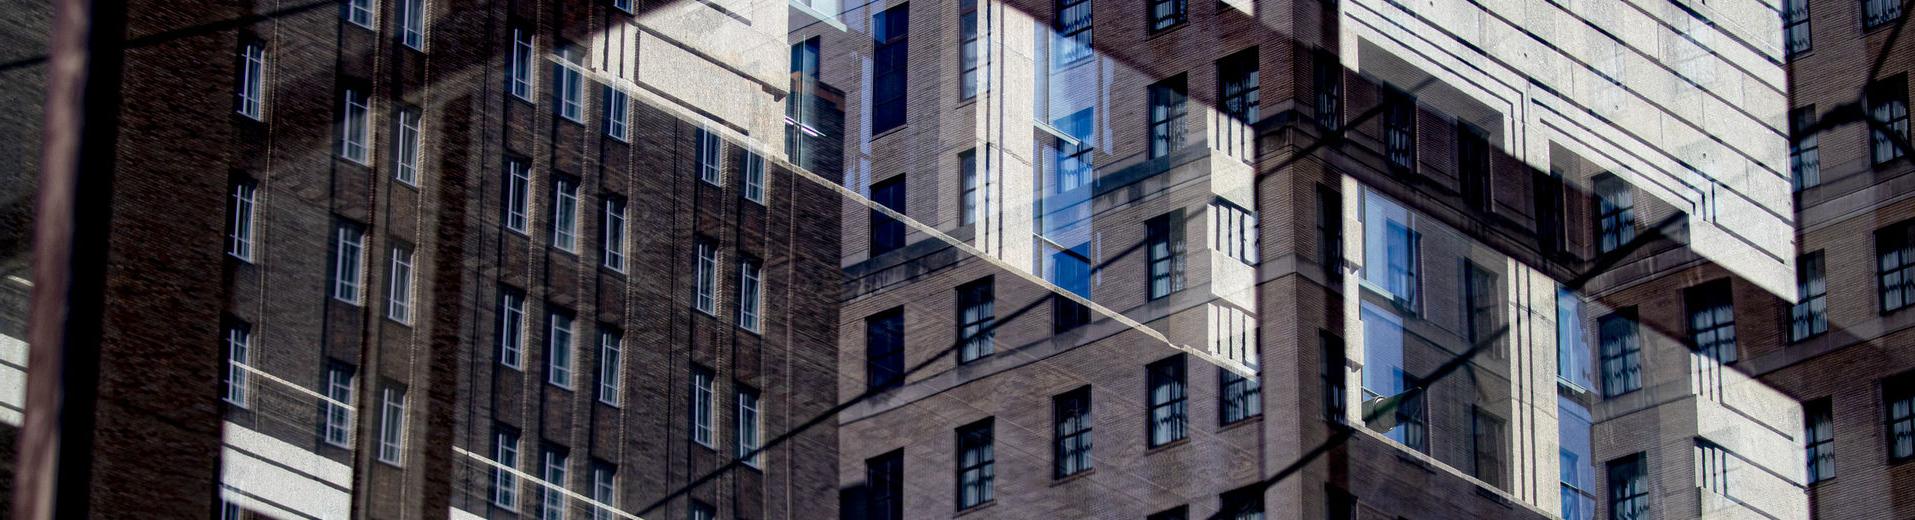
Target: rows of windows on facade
(1885, 99)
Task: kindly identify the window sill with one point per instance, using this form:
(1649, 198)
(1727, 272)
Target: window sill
(1239, 423)
(1151, 34)
(1153, 450)
(1060, 68)
(1059, 481)
(888, 132)
(973, 509)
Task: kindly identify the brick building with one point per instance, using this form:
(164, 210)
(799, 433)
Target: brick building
(419, 259)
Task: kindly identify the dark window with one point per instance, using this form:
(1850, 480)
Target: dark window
(1071, 42)
(884, 349)
(1167, 116)
(890, 28)
(801, 107)
(1238, 94)
(1168, 418)
(1629, 488)
(1895, 265)
(887, 233)
(1616, 213)
(702, 511)
(1341, 505)
(976, 465)
(1328, 78)
(1242, 397)
(1898, 394)
(1486, 444)
(1621, 352)
(885, 476)
(1877, 13)
(1399, 130)
(1330, 235)
(1070, 270)
(1073, 416)
(1712, 320)
(968, 189)
(1242, 504)
(1158, 255)
(1818, 430)
(1805, 148)
(1810, 314)
(1165, 14)
(1888, 109)
(1331, 366)
(1551, 229)
(1472, 167)
(1795, 26)
(1484, 305)
(975, 317)
(1175, 513)
(974, 54)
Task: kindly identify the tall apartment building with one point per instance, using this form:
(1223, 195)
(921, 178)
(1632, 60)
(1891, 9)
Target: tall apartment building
(420, 259)
(1366, 259)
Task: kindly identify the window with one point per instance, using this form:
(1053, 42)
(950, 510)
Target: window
(1712, 320)
(1572, 350)
(975, 320)
(359, 12)
(1486, 447)
(702, 511)
(702, 402)
(1810, 314)
(1393, 251)
(1166, 116)
(239, 346)
(1578, 463)
(889, 58)
(1399, 130)
(1165, 14)
(974, 53)
(1071, 33)
(511, 327)
(518, 187)
(1242, 504)
(604, 490)
(1895, 264)
(803, 107)
(571, 84)
(505, 452)
(748, 426)
(1332, 366)
(610, 372)
(355, 126)
(884, 349)
(412, 23)
(336, 409)
(1899, 396)
(1388, 382)
(1629, 488)
(1327, 76)
(1070, 271)
(1167, 401)
(239, 235)
(518, 67)
(614, 233)
(1239, 93)
(1546, 189)
(1616, 217)
(1819, 437)
(559, 346)
(252, 80)
(1472, 167)
(392, 425)
(976, 472)
(1621, 352)
(1233, 231)
(551, 499)
(1795, 26)
(1877, 13)
(399, 286)
(1888, 108)
(968, 189)
(1483, 308)
(710, 157)
(228, 510)
(884, 475)
(565, 214)
(1175, 513)
(618, 111)
(1072, 412)
(705, 277)
(754, 177)
(887, 234)
(1341, 505)
(1805, 148)
(622, 5)
(1330, 235)
(406, 148)
(750, 294)
(1242, 397)
(1157, 250)
(349, 258)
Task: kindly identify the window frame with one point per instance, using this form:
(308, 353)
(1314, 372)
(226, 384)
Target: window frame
(976, 317)
(611, 370)
(1239, 398)
(705, 262)
(1615, 213)
(516, 196)
(613, 233)
(890, 64)
(888, 234)
(1887, 105)
(1073, 420)
(703, 403)
(1808, 316)
(1628, 353)
(750, 294)
(399, 285)
(1159, 258)
(884, 325)
(511, 331)
(1805, 149)
(1818, 440)
(618, 113)
(755, 182)
(1399, 130)
(521, 74)
(355, 132)
(251, 95)
(1071, 35)
(239, 345)
(349, 262)
(1895, 277)
(1168, 116)
(336, 423)
(565, 213)
(561, 347)
(392, 425)
(976, 472)
(1898, 390)
(1632, 470)
(569, 84)
(750, 425)
(1171, 374)
(1165, 15)
(242, 212)
(505, 453)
